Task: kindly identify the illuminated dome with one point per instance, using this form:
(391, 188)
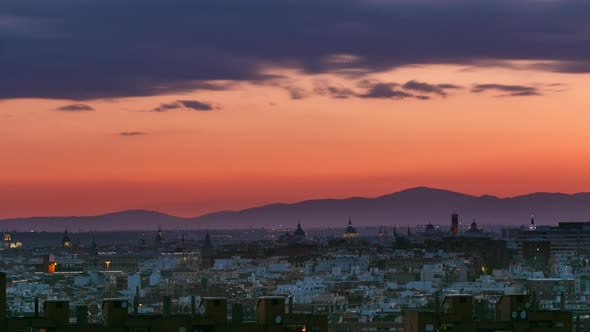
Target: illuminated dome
(350, 231)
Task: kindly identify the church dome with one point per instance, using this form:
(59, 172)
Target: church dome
(65, 241)
(350, 231)
(299, 231)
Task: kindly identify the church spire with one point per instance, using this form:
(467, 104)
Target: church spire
(160, 235)
(207, 243)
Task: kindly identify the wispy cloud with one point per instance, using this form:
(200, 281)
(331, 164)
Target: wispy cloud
(510, 90)
(166, 107)
(371, 88)
(190, 105)
(197, 105)
(385, 90)
(75, 108)
(132, 133)
(423, 87)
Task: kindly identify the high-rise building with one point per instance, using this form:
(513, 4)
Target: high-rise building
(566, 239)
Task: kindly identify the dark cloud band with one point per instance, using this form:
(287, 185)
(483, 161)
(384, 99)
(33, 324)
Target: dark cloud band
(59, 49)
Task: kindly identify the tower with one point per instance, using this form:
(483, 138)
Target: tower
(207, 244)
(160, 235)
(455, 223)
(473, 228)
(66, 243)
(532, 226)
(94, 247)
(7, 239)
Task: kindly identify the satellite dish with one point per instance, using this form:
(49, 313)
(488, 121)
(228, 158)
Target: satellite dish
(523, 314)
(124, 304)
(278, 319)
(514, 314)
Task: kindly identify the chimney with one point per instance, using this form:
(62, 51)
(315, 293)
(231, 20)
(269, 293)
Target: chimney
(2, 295)
(136, 301)
(57, 311)
(291, 305)
(237, 313)
(193, 306)
(36, 307)
(459, 307)
(562, 301)
(215, 309)
(166, 305)
(114, 312)
(82, 315)
(436, 302)
(270, 310)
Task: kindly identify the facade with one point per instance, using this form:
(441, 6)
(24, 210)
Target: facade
(8, 243)
(566, 239)
(532, 249)
(211, 316)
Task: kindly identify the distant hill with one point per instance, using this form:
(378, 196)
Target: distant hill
(123, 220)
(408, 207)
(411, 207)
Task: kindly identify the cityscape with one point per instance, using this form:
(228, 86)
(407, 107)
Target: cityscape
(294, 166)
(456, 276)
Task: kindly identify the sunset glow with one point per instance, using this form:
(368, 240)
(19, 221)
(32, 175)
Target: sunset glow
(289, 129)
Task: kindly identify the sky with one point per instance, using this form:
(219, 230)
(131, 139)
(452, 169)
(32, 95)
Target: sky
(189, 107)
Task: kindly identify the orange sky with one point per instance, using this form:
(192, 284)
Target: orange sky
(263, 147)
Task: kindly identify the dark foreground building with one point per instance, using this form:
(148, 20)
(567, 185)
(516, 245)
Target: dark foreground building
(515, 313)
(210, 316)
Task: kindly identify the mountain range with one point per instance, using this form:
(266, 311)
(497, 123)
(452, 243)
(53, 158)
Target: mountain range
(415, 206)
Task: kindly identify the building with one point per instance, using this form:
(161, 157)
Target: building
(66, 243)
(9, 244)
(211, 315)
(160, 236)
(566, 239)
(350, 232)
(455, 223)
(299, 234)
(517, 313)
(536, 249)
